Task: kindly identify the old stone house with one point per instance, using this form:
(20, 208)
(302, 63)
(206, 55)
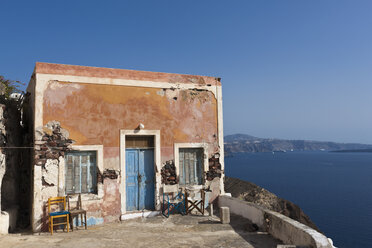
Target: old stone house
(116, 136)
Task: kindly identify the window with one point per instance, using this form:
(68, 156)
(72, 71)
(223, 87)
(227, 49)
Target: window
(191, 166)
(81, 176)
(138, 141)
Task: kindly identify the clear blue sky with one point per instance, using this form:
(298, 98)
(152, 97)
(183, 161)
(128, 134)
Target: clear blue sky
(290, 69)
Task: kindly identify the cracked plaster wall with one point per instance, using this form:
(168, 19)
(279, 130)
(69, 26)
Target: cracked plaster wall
(181, 115)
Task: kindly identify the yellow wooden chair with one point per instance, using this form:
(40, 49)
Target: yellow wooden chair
(62, 213)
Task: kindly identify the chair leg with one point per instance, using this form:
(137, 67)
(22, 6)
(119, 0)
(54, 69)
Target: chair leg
(179, 208)
(68, 224)
(85, 221)
(164, 209)
(187, 206)
(72, 222)
(51, 225)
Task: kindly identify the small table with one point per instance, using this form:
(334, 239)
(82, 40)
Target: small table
(195, 199)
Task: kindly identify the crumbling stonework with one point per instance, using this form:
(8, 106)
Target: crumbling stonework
(168, 173)
(214, 168)
(108, 173)
(111, 174)
(51, 142)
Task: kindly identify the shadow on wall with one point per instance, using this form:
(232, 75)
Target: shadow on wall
(16, 183)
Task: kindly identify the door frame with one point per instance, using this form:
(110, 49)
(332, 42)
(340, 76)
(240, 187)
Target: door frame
(157, 161)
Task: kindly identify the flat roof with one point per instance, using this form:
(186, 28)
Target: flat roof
(100, 72)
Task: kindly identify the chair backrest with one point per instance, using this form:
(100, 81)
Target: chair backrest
(78, 203)
(60, 200)
(195, 193)
(170, 189)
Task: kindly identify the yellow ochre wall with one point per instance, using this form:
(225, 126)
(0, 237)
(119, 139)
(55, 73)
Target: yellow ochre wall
(94, 113)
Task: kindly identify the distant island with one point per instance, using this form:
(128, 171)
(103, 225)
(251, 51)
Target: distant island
(243, 143)
(355, 150)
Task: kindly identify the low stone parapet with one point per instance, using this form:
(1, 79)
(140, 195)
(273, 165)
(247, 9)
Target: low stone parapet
(279, 226)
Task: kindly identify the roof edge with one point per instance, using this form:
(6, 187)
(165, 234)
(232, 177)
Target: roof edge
(101, 72)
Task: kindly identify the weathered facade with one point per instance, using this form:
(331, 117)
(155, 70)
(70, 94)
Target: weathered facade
(95, 130)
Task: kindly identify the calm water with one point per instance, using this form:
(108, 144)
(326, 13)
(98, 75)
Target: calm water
(334, 189)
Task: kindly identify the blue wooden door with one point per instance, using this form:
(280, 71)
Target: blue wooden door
(140, 179)
(146, 184)
(131, 158)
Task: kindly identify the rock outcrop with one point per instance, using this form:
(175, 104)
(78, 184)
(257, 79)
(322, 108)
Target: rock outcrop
(252, 193)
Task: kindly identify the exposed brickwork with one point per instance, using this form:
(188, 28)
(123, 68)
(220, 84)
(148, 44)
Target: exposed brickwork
(51, 142)
(112, 174)
(214, 168)
(168, 173)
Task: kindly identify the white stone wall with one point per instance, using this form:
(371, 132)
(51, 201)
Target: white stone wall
(289, 231)
(51, 142)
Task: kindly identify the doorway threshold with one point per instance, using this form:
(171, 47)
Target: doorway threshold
(143, 214)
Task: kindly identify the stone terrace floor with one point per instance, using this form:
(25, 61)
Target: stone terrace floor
(176, 231)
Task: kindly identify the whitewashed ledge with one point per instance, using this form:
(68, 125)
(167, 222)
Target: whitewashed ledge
(4, 222)
(289, 231)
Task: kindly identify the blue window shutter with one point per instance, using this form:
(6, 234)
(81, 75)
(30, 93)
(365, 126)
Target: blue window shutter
(69, 175)
(92, 175)
(84, 172)
(77, 173)
(182, 167)
(80, 172)
(191, 166)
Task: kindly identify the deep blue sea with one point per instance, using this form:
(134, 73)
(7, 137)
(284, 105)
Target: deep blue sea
(334, 189)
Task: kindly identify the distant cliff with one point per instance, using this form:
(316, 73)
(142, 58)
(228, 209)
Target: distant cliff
(237, 143)
(252, 193)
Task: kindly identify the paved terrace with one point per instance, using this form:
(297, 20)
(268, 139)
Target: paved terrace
(176, 231)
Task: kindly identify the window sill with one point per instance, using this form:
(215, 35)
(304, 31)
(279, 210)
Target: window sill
(86, 197)
(90, 196)
(192, 187)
